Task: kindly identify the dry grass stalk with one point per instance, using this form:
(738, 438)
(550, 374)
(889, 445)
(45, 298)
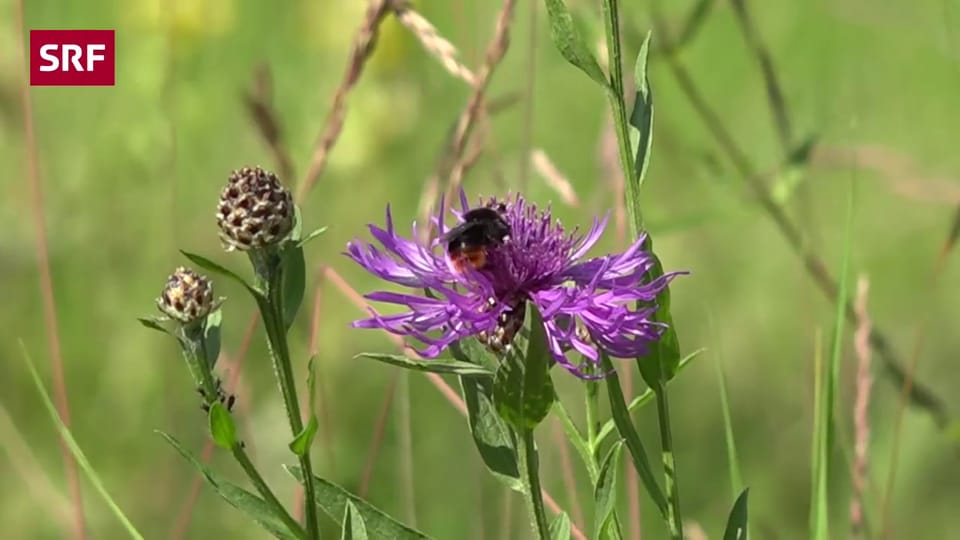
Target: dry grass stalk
(495, 52)
(363, 46)
(437, 45)
(259, 103)
(861, 419)
(612, 173)
(79, 528)
(554, 179)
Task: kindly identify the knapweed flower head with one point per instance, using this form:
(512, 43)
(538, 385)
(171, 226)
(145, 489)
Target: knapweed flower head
(187, 296)
(255, 210)
(588, 305)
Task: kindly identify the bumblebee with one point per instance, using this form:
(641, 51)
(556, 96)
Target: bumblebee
(482, 228)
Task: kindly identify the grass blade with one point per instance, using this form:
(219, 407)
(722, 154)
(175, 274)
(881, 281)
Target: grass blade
(75, 449)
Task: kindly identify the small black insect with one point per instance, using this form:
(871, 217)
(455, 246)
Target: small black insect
(482, 228)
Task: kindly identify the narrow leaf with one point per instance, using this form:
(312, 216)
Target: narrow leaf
(353, 526)
(568, 40)
(471, 351)
(440, 365)
(737, 522)
(78, 454)
(605, 492)
(494, 440)
(253, 506)
(311, 236)
(211, 337)
(641, 120)
(153, 323)
(211, 266)
(294, 283)
(522, 389)
(223, 430)
(624, 424)
(332, 500)
(300, 445)
(661, 362)
(642, 399)
(560, 527)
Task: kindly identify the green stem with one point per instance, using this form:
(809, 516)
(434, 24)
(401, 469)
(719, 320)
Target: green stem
(576, 439)
(674, 521)
(271, 309)
(244, 460)
(592, 402)
(530, 471)
(202, 363)
(611, 21)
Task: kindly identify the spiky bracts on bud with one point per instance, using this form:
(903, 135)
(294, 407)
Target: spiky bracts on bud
(187, 296)
(255, 210)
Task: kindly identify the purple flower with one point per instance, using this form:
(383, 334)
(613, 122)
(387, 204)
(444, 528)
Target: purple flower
(587, 305)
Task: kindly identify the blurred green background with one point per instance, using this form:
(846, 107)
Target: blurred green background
(131, 174)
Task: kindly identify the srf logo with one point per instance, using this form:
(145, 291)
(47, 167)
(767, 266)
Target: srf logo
(72, 58)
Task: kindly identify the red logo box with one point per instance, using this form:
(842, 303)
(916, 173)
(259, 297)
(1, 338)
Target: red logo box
(72, 58)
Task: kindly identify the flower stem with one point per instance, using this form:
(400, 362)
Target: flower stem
(611, 20)
(271, 309)
(674, 521)
(198, 350)
(530, 471)
(244, 460)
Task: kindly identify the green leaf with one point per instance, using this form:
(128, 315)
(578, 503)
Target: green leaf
(300, 445)
(294, 282)
(641, 120)
(253, 506)
(222, 428)
(471, 351)
(353, 526)
(332, 500)
(568, 40)
(605, 492)
(560, 527)
(737, 522)
(642, 399)
(661, 362)
(311, 236)
(733, 463)
(492, 436)
(211, 266)
(522, 389)
(75, 449)
(440, 365)
(211, 337)
(624, 424)
(154, 323)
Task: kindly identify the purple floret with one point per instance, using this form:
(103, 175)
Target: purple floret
(587, 305)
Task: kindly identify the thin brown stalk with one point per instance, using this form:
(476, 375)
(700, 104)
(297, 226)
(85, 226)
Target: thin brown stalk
(529, 93)
(861, 418)
(79, 528)
(566, 466)
(775, 99)
(405, 442)
(379, 428)
(918, 344)
(259, 103)
(495, 52)
(919, 395)
(449, 393)
(554, 179)
(437, 45)
(610, 170)
(363, 45)
(182, 522)
(325, 413)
